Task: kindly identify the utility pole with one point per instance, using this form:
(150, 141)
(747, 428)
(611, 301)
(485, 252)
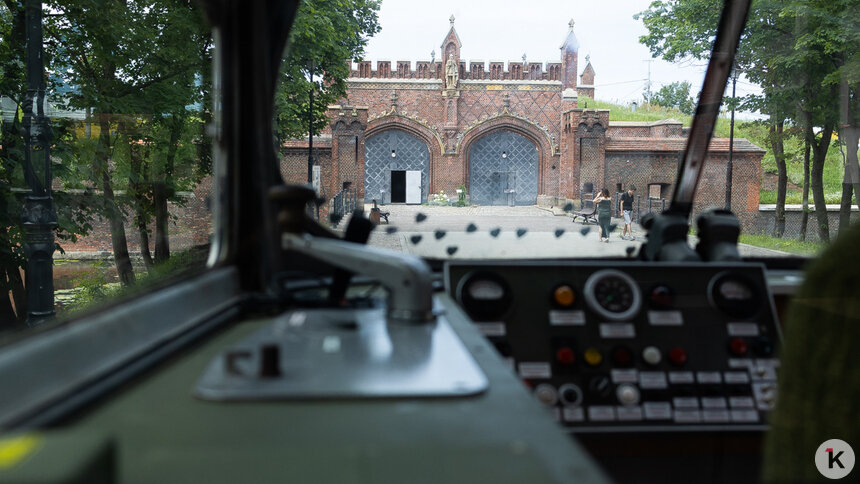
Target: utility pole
(38, 216)
(648, 82)
(734, 76)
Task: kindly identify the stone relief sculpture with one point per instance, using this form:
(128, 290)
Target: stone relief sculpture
(451, 73)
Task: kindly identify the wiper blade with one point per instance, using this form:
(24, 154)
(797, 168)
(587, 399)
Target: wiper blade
(731, 26)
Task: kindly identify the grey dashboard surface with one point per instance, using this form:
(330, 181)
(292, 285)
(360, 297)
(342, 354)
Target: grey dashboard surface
(164, 433)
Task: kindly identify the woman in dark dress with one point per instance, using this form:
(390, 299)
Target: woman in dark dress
(603, 202)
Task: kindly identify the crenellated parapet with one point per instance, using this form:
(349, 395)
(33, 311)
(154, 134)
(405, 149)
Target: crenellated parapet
(471, 70)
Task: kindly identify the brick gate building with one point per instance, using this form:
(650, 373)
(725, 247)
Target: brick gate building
(507, 132)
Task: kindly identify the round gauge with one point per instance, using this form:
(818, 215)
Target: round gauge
(485, 290)
(613, 294)
(484, 295)
(734, 294)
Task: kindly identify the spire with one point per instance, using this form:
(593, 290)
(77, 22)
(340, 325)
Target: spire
(451, 44)
(570, 42)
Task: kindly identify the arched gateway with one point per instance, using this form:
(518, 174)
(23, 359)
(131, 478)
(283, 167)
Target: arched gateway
(397, 168)
(503, 169)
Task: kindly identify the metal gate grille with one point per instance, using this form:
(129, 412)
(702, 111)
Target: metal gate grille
(410, 153)
(503, 168)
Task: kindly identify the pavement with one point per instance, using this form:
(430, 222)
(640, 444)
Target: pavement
(524, 232)
(499, 232)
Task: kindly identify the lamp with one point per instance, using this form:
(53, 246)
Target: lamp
(38, 215)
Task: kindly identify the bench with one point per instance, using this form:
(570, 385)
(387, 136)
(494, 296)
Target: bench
(587, 213)
(376, 213)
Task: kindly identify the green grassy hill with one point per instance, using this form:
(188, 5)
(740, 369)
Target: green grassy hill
(756, 132)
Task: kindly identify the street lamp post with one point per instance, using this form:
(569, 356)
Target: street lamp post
(731, 143)
(311, 125)
(38, 216)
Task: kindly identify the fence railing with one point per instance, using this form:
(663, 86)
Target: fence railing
(343, 203)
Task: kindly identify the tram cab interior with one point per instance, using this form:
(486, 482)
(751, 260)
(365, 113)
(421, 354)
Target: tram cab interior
(303, 355)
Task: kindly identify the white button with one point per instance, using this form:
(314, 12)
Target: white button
(627, 394)
(652, 355)
(546, 394)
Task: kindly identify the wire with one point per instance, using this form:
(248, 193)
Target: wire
(617, 83)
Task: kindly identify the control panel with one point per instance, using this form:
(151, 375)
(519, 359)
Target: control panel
(611, 346)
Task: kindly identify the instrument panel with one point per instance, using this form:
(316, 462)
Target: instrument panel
(631, 346)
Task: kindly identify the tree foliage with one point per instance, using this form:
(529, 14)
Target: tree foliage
(137, 75)
(141, 71)
(675, 95)
(329, 35)
(798, 51)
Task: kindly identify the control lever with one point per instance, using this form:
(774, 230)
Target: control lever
(667, 238)
(718, 236)
(358, 231)
(407, 277)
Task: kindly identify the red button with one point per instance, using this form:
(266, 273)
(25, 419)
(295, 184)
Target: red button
(622, 356)
(565, 356)
(662, 297)
(738, 346)
(677, 356)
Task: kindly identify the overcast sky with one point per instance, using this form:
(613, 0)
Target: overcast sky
(507, 29)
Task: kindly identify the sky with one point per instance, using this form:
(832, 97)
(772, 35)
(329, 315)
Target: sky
(507, 29)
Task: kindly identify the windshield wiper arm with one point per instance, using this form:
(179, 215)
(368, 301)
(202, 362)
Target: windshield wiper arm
(731, 26)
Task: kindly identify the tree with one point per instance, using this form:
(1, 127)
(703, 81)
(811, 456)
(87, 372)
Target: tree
(136, 74)
(791, 49)
(13, 86)
(675, 95)
(329, 35)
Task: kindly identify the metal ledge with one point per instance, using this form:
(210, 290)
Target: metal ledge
(49, 367)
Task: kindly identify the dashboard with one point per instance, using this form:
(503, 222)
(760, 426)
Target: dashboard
(659, 369)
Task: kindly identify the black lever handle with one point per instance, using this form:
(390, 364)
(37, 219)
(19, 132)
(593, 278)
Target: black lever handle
(357, 231)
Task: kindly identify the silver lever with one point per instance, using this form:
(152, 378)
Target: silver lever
(408, 278)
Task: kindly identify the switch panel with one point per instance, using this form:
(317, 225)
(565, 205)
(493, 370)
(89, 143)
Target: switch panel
(624, 345)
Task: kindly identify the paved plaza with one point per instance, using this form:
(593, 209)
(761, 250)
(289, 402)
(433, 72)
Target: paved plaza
(502, 232)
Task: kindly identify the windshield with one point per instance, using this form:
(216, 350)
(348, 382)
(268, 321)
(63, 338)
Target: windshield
(527, 130)
(466, 142)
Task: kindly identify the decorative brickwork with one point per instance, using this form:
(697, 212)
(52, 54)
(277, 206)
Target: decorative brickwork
(452, 105)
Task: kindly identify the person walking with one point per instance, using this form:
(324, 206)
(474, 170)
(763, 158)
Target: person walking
(627, 211)
(603, 204)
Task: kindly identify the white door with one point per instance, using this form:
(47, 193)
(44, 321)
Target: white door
(413, 186)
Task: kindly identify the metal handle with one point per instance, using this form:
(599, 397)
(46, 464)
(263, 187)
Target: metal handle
(407, 277)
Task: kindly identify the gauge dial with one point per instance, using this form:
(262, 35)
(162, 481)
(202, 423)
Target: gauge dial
(613, 294)
(484, 295)
(735, 295)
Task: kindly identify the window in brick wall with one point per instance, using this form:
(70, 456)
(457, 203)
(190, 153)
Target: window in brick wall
(655, 190)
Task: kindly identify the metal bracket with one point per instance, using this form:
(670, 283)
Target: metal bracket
(407, 277)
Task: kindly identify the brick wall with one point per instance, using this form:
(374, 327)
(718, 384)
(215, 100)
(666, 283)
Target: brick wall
(190, 225)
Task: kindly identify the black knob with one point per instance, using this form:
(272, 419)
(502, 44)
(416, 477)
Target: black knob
(600, 386)
(270, 361)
